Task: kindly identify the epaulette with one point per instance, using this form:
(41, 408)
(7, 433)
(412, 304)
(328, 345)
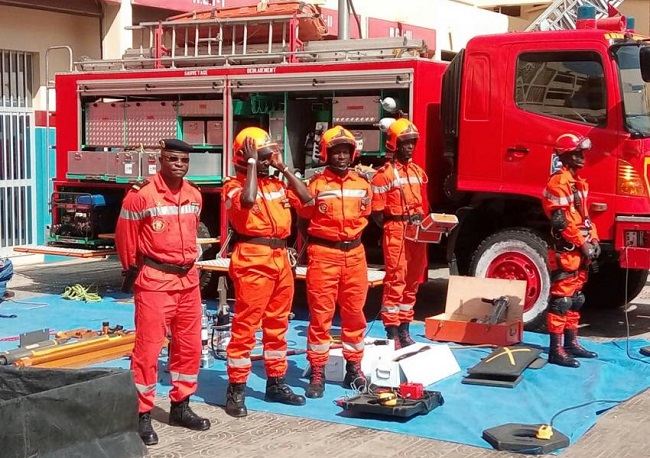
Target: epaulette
(137, 186)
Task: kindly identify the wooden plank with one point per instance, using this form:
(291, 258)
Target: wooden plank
(375, 277)
(64, 251)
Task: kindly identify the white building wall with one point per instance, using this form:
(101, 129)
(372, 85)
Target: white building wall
(35, 30)
(455, 23)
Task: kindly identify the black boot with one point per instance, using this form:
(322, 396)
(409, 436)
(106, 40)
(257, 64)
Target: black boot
(354, 377)
(558, 355)
(404, 335)
(145, 430)
(392, 332)
(181, 414)
(572, 346)
(278, 391)
(235, 396)
(316, 385)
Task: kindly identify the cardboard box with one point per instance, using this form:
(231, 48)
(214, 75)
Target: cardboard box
(335, 367)
(432, 228)
(464, 304)
(424, 363)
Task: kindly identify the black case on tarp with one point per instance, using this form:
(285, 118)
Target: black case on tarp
(405, 408)
(504, 366)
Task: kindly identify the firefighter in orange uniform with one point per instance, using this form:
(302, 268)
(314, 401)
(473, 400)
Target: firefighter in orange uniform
(337, 269)
(156, 240)
(258, 208)
(399, 199)
(575, 247)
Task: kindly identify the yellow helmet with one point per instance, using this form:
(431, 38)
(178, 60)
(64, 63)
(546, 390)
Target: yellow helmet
(400, 130)
(263, 143)
(338, 135)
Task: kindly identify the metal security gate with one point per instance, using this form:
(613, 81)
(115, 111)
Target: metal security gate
(17, 154)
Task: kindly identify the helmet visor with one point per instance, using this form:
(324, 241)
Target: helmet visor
(268, 149)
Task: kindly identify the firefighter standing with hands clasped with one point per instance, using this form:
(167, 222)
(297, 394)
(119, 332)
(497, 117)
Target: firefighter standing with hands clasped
(337, 269)
(258, 208)
(156, 243)
(575, 246)
(399, 199)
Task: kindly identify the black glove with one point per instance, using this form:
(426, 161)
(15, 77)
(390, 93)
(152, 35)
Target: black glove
(588, 250)
(597, 249)
(129, 275)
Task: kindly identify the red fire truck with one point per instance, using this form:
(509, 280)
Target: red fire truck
(488, 121)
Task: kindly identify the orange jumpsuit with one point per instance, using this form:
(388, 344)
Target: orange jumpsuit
(261, 274)
(337, 270)
(569, 194)
(161, 225)
(399, 192)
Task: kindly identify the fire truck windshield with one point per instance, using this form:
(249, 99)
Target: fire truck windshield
(635, 92)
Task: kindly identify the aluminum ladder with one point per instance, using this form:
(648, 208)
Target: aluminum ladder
(562, 14)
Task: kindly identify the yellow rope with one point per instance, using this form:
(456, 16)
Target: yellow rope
(80, 293)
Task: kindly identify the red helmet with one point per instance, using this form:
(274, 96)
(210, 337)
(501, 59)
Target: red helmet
(568, 143)
(400, 130)
(338, 135)
(263, 143)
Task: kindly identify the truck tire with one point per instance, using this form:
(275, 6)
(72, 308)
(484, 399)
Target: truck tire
(517, 254)
(606, 289)
(207, 279)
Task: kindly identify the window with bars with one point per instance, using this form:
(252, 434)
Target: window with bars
(17, 168)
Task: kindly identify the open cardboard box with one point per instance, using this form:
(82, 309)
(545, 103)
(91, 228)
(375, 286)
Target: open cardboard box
(464, 304)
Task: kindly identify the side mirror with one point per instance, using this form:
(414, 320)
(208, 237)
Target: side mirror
(644, 63)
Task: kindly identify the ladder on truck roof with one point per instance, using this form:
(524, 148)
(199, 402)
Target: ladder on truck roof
(562, 14)
(250, 40)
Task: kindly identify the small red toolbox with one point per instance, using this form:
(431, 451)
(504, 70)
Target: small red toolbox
(411, 390)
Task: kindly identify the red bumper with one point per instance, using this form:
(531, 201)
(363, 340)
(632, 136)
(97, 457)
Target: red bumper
(632, 241)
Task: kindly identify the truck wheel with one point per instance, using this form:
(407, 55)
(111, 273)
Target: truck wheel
(517, 254)
(207, 279)
(606, 289)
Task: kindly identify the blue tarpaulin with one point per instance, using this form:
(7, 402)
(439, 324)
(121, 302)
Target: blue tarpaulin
(467, 411)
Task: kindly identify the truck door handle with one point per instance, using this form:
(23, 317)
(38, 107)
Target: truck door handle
(517, 152)
(518, 149)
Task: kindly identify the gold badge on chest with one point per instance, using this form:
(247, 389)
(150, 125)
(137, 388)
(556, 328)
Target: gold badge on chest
(158, 225)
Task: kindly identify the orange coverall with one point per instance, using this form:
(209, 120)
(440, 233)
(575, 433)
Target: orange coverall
(261, 274)
(162, 225)
(559, 195)
(336, 274)
(399, 192)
